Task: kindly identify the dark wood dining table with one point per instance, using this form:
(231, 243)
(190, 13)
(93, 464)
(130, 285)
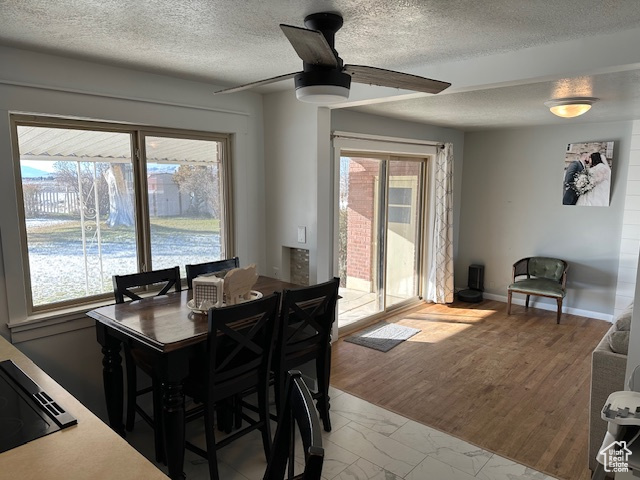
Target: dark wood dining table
(172, 334)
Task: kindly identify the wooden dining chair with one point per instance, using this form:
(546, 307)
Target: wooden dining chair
(298, 414)
(304, 334)
(130, 287)
(545, 277)
(193, 270)
(239, 349)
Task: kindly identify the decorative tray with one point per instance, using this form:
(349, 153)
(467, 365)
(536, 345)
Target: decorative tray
(255, 295)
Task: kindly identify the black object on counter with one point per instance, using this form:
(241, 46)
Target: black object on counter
(26, 411)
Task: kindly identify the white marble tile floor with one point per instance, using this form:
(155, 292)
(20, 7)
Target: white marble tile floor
(366, 443)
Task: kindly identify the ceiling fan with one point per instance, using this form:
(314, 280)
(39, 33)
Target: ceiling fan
(325, 78)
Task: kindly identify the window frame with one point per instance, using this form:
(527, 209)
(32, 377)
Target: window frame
(137, 133)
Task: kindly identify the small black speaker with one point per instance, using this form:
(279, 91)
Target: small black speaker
(475, 283)
(476, 277)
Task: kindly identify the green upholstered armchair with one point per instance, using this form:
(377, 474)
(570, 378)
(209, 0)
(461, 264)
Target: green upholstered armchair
(546, 277)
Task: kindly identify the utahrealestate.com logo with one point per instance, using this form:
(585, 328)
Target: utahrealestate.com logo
(616, 457)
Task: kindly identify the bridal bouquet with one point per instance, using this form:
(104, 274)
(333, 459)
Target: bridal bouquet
(583, 182)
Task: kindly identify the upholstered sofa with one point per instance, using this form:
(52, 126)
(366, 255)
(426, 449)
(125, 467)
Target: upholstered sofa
(608, 366)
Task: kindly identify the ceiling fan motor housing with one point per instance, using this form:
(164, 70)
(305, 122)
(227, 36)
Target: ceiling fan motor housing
(325, 22)
(322, 77)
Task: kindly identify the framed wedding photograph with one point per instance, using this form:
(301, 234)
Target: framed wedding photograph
(587, 174)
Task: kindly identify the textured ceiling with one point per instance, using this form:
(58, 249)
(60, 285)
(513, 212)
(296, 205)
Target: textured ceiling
(519, 106)
(229, 42)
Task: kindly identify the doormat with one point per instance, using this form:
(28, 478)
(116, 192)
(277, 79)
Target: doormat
(382, 336)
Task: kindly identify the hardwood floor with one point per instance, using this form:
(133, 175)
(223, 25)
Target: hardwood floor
(515, 385)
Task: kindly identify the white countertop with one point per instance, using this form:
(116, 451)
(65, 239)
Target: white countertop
(89, 450)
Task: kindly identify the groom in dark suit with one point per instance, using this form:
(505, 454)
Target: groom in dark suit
(570, 196)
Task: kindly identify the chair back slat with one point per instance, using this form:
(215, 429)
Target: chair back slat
(521, 267)
(307, 317)
(127, 285)
(240, 343)
(193, 270)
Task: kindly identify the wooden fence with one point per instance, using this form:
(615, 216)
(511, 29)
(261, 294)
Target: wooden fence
(38, 203)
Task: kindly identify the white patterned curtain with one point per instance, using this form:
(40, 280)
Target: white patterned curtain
(439, 278)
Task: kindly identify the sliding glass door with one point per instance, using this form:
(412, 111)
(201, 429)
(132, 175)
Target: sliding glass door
(380, 242)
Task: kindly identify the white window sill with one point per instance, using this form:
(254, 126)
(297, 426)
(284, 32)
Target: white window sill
(45, 324)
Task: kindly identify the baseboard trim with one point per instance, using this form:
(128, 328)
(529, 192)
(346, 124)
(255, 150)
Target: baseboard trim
(551, 307)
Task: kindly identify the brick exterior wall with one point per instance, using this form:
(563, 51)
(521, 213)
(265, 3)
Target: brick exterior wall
(360, 212)
(360, 219)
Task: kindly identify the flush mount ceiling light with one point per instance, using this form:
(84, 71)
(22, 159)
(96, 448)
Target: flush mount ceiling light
(322, 94)
(570, 107)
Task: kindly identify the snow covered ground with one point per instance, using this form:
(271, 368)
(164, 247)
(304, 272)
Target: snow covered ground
(60, 270)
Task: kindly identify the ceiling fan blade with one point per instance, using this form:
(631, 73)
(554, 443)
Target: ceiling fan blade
(247, 86)
(311, 46)
(389, 78)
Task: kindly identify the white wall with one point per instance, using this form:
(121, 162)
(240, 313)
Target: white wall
(630, 237)
(291, 177)
(50, 85)
(512, 208)
(629, 246)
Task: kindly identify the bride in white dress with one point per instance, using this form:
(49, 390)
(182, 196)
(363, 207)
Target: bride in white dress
(598, 196)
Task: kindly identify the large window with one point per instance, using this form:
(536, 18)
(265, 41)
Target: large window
(101, 199)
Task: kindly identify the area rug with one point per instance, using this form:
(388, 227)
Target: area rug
(382, 336)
